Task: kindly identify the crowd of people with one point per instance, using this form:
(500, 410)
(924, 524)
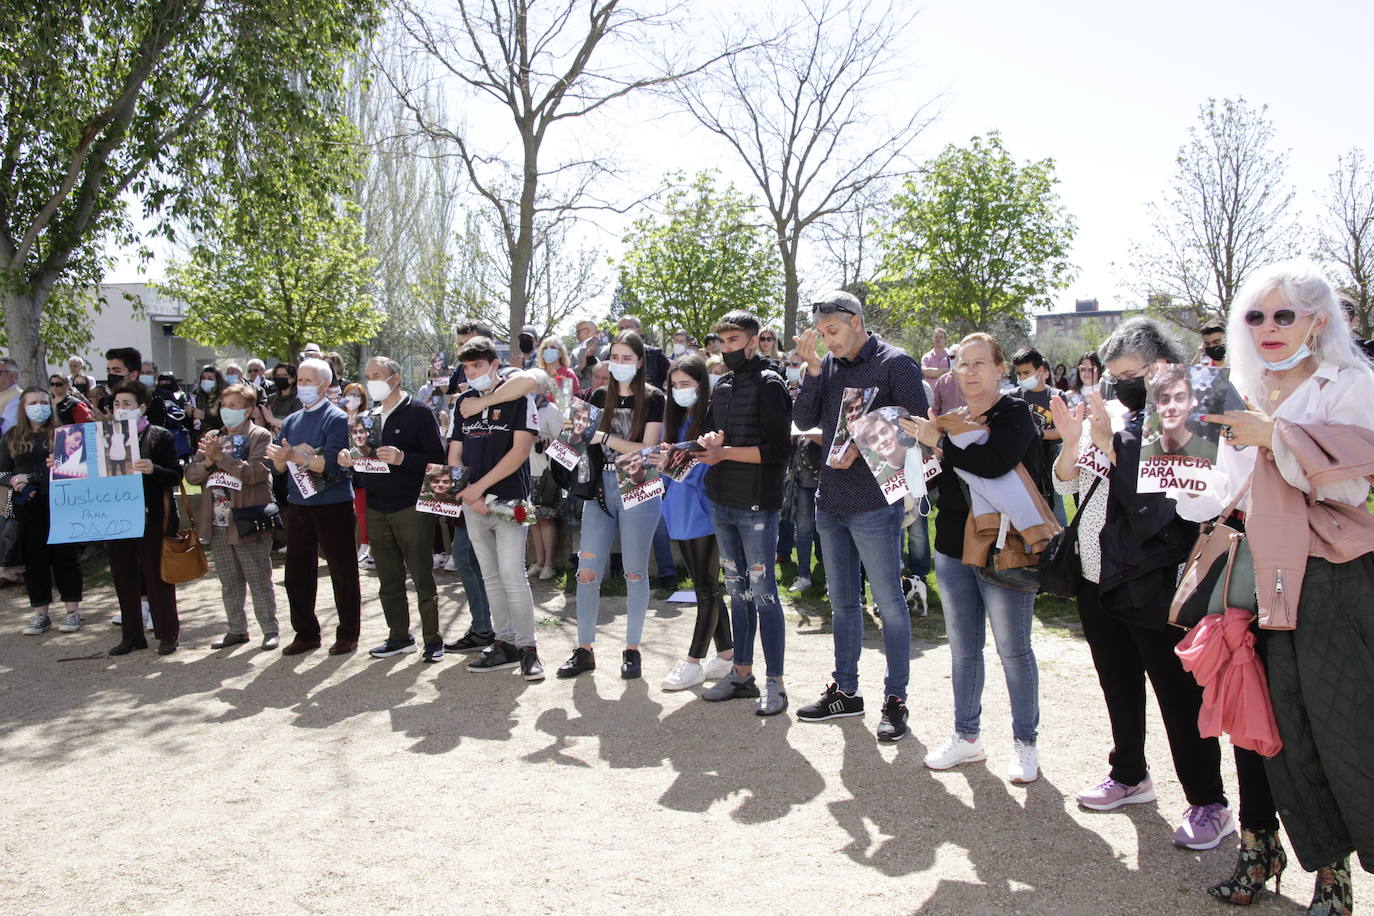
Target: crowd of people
(298, 458)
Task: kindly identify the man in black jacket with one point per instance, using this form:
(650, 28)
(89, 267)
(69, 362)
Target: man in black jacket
(406, 439)
(747, 446)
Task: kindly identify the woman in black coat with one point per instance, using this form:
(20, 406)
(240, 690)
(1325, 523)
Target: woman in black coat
(136, 563)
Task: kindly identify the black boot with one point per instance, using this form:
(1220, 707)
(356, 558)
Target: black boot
(1261, 858)
(1332, 895)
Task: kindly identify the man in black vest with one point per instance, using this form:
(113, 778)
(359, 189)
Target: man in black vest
(747, 447)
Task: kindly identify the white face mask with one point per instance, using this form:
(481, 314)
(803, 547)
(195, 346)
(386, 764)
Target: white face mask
(207, 385)
(679, 349)
(124, 414)
(624, 372)
(685, 397)
(550, 355)
(308, 394)
(378, 389)
(713, 380)
(793, 374)
(232, 416)
(481, 383)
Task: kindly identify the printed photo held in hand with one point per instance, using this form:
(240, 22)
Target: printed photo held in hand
(638, 477)
(118, 442)
(571, 445)
(676, 460)
(1179, 452)
(439, 494)
(854, 403)
(362, 445)
(884, 445)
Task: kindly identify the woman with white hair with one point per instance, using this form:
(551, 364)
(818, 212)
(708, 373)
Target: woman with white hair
(1293, 358)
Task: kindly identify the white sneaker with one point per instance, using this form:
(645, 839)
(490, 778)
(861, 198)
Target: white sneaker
(367, 562)
(70, 624)
(439, 560)
(1025, 763)
(717, 667)
(38, 624)
(546, 573)
(147, 617)
(363, 551)
(450, 565)
(801, 584)
(117, 620)
(684, 674)
(955, 751)
(533, 570)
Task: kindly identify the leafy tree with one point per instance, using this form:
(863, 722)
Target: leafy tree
(974, 238)
(701, 259)
(1347, 231)
(1227, 213)
(286, 267)
(154, 100)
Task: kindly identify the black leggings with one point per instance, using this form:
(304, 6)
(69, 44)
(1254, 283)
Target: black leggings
(702, 558)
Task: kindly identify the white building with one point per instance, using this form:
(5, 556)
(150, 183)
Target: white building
(137, 315)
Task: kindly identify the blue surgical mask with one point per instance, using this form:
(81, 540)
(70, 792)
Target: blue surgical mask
(1029, 383)
(550, 355)
(685, 397)
(308, 394)
(148, 380)
(794, 374)
(1298, 356)
(233, 379)
(232, 416)
(624, 372)
(207, 385)
(38, 413)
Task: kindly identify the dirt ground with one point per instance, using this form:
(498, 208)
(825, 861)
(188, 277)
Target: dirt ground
(242, 781)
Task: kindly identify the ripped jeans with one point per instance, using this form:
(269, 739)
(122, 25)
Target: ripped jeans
(636, 527)
(748, 549)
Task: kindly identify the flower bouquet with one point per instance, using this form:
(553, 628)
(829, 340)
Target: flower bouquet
(520, 511)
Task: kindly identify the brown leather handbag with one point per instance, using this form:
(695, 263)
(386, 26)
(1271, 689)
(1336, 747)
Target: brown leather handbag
(183, 556)
(1209, 571)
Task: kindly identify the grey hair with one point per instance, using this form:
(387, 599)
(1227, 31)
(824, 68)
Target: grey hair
(386, 362)
(319, 367)
(634, 318)
(1307, 292)
(10, 363)
(1144, 338)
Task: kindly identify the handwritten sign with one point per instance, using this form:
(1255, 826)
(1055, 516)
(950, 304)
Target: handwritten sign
(96, 509)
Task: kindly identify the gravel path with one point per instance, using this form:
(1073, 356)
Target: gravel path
(241, 781)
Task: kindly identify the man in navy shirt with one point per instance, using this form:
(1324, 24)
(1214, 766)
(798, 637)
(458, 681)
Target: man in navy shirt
(494, 447)
(855, 522)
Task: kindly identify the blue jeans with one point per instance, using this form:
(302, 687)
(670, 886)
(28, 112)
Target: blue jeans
(465, 561)
(748, 541)
(969, 601)
(805, 516)
(917, 557)
(636, 528)
(873, 539)
(663, 551)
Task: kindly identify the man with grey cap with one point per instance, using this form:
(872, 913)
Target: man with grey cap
(854, 521)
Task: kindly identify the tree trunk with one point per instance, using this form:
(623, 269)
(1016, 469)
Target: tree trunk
(22, 316)
(522, 255)
(791, 295)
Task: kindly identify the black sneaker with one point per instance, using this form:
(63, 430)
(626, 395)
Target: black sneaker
(629, 665)
(531, 668)
(393, 647)
(833, 704)
(471, 641)
(433, 651)
(892, 726)
(581, 660)
(495, 657)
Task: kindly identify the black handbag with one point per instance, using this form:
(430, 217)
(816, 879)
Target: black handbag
(252, 520)
(1061, 566)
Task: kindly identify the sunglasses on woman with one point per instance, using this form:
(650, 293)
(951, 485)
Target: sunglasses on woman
(1284, 318)
(767, 339)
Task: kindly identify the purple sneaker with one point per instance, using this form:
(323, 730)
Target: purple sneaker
(1204, 826)
(1108, 795)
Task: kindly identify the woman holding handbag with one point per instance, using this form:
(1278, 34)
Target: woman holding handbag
(970, 601)
(136, 562)
(545, 492)
(24, 452)
(236, 488)
(1308, 439)
(1129, 546)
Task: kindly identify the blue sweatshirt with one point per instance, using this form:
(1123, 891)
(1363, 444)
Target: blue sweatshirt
(326, 430)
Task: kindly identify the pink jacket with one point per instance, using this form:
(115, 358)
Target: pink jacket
(1337, 532)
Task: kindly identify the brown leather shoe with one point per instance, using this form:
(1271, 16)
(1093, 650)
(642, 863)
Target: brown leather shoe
(343, 647)
(300, 647)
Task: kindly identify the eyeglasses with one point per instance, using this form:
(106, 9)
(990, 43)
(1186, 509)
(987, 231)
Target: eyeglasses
(1284, 318)
(830, 308)
(56, 383)
(767, 339)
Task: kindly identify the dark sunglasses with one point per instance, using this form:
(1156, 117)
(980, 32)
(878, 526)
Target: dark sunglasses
(769, 339)
(1284, 318)
(830, 308)
(56, 383)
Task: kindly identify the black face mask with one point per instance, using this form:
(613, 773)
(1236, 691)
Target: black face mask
(113, 380)
(283, 384)
(1218, 352)
(735, 359)
(526, 345)
(1129, 391)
